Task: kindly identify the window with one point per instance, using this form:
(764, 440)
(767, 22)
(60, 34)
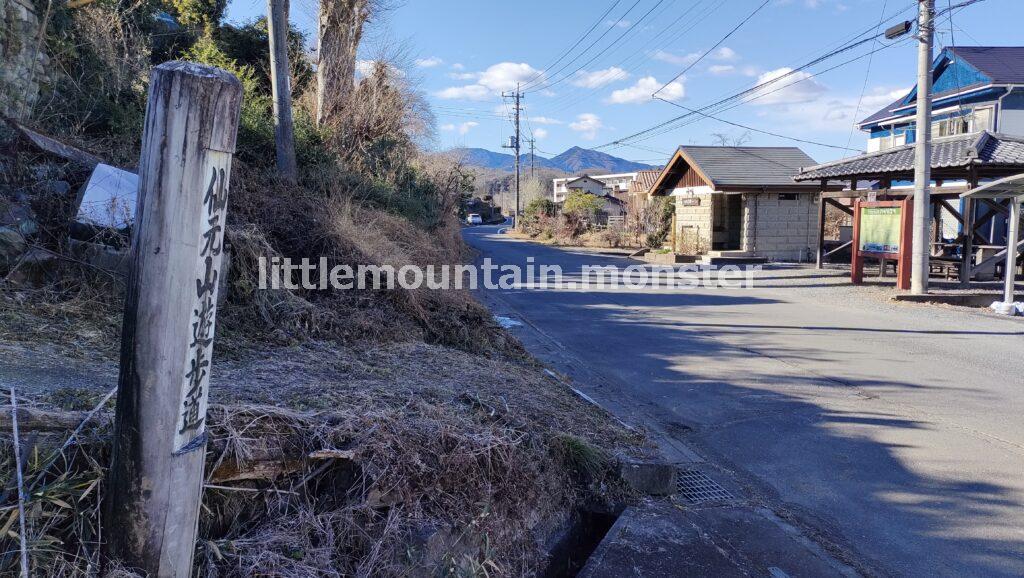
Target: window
(972, 121)
(787, 196)
(887, 142)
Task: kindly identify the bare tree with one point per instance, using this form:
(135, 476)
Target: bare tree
(340, 30)
(727, 140)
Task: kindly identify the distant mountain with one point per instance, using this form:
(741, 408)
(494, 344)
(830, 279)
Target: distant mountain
(485, 158)
(574, 160)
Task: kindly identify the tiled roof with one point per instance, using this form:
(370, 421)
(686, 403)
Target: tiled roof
(748, 166)
(984, 148)
(645, 179)
(1002, 64)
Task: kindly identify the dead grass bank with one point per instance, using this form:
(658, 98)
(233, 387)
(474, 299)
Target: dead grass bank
(393, 460)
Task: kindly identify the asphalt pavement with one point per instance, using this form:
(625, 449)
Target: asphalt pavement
(890, 434)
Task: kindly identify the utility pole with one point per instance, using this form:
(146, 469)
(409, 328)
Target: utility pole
(533, 168)
(921, 246)
(281, 86)
(514, 141)
(155, 481)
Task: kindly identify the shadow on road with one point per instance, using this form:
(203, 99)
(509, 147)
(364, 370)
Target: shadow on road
(842, 470)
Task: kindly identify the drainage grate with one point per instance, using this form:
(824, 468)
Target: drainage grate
(695, 487)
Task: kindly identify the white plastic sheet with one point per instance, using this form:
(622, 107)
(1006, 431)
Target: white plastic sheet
(109, 199)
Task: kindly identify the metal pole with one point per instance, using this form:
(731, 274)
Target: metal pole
(280, 82)
(922, 151)
(1012, 238)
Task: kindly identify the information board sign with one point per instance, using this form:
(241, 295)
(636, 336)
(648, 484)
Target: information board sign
(882, 230)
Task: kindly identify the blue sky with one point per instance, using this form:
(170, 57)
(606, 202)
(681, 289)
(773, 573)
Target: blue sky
(463, 53)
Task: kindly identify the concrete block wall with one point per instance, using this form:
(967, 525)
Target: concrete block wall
(781, 230)
(694, 224)
(23, 70)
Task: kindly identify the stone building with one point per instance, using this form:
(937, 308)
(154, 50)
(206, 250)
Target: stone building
(741, 203)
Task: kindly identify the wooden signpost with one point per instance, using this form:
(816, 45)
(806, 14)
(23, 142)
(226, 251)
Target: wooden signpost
(154, 486)
(882, 230)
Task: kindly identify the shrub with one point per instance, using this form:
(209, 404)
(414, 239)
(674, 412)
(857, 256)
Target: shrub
(537, 211)
(579, 209)
(665, 209)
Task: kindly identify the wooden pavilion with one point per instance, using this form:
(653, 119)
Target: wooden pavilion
(958, 163)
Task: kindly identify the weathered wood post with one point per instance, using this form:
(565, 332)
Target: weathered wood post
(155, 481)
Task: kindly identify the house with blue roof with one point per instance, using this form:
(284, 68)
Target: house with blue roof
(976, 88)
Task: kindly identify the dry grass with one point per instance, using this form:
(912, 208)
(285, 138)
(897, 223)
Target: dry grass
(445, 463)
(453, 453)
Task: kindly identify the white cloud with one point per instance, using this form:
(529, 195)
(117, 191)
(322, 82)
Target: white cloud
(505, 75)
(725, 53)
(540, 133)
(721, 69)
(599, 78)
(490, 82)
(462, 128)
(458, 66)
(678, 60)
(429, 62)
(468, 92)
(544, 120)
(795, 88)
(644, 87)
(619, 23)
(587, 124)
(836, 114)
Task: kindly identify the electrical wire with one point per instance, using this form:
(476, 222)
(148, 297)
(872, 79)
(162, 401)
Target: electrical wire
(570, 99)
(577, 43)
(755, 89)
(532, 83)
(750, 128)
(867, 75)
(710, 50)
(605, 49)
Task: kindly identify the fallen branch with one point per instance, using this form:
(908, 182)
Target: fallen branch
(33, 419)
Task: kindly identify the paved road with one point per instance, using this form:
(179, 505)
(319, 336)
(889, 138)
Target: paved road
(892, 434)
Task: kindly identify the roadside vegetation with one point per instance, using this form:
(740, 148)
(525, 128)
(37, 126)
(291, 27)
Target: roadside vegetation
(577, 222)
(356, 432)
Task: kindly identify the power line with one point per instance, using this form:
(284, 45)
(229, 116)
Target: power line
(755, 89)
(867, 75)
(839, 47)
(605, 49)
(529, 86)
(717, 44)
(567, 100)
(764, 94)
(769, 133)
(571, 48)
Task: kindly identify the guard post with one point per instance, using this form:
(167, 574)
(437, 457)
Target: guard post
(154, 485)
